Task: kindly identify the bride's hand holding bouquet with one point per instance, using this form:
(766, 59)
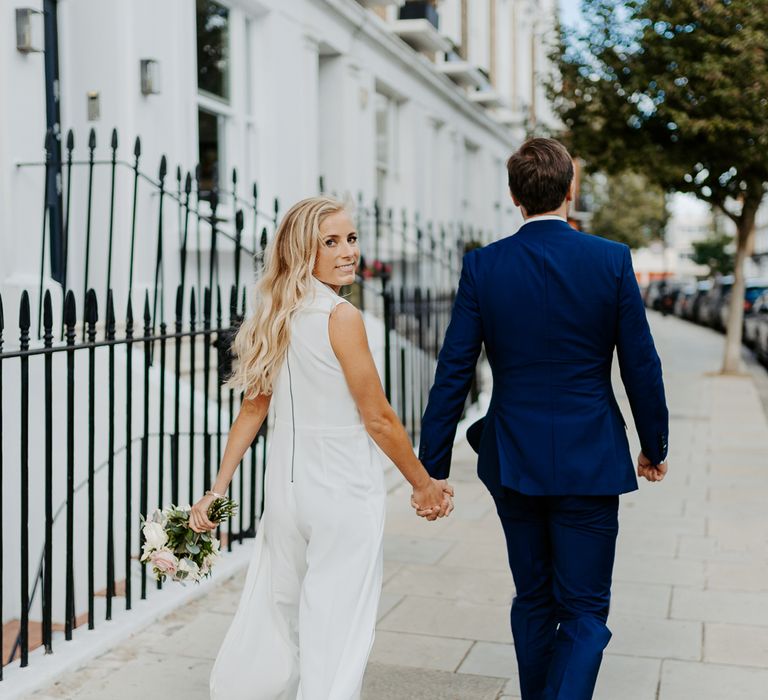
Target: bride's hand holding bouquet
(177, 540)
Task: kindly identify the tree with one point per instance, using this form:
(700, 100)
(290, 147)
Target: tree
(630, 210)
(677, 91)
(714, 251)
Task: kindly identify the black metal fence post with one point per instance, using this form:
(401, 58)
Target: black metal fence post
(89, 214)
(192, 322)
(69, 323)
(136, 156)
(91, 316)
(144, 476)
(110, 337)
(113, 173)
(159, 278)
(127, 552)
(48, 555)
(388, 328)
(24, 323)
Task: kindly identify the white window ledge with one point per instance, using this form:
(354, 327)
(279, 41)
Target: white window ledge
(462, 73)
(420, 34)
(487, 98)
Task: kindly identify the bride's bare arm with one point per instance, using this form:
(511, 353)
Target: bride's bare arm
(350, 344)
(241, 435)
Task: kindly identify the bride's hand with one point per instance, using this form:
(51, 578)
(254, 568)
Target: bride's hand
(198, 515)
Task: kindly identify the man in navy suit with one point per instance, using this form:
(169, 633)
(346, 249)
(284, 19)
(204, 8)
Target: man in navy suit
(551, 304)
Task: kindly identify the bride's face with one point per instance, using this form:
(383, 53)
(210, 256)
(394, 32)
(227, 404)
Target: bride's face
(338, 253)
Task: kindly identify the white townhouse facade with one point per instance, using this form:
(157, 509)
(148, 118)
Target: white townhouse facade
(415, 105)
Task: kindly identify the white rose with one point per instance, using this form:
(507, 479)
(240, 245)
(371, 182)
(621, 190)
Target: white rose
(155, 535)
(157, 516)
(189, 567)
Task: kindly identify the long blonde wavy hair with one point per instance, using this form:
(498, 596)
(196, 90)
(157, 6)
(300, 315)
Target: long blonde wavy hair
(262, 341)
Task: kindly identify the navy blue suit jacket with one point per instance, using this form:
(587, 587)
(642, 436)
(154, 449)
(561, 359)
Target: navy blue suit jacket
(550, 304)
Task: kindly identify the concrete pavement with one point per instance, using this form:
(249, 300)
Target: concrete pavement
(690, 607)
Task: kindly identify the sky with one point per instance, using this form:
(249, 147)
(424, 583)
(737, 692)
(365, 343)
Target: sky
(570, 11)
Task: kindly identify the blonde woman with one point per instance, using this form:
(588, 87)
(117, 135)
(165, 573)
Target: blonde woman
(304, 626)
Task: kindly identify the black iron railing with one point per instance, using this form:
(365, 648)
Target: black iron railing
(103, 419)
(114, 209)
(157, 413)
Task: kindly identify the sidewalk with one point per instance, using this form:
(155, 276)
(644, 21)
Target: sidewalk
(690, 607)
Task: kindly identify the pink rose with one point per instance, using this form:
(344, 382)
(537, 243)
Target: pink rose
(164, 561)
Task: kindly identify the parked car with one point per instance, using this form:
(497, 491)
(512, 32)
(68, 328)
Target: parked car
(692, 308)
(761, 338)
(757, 314)
(752, 290)
(652, 293)
(668, 296)
(684, 299)
(709, 308)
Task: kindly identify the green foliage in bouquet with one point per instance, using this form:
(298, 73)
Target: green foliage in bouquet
(175, 550)
(221, 509)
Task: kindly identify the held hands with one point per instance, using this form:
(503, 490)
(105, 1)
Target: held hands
(651, 472)
(434, 500)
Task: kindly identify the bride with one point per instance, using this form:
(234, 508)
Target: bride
(305, 623)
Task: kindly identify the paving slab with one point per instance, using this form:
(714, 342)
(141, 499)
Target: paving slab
(453, 583)
(704, 681)
(740, 645)
(628, 678)
(655, 638)
(489, 659)
(457, 619)
(419, 651)
(385, 682)
(737, 607)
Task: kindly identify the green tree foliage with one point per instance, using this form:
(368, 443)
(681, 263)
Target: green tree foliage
(676, 90)
(715, 252)
(630, 210)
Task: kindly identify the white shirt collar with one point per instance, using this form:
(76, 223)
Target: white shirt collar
(323, 287)
(544, 217)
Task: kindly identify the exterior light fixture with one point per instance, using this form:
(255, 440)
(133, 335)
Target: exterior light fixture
(94, 106)
(28, 39)
(150, 76)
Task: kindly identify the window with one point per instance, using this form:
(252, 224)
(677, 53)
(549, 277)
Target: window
(211, 148)
(386, 146)
(213, 49)
(213, 78)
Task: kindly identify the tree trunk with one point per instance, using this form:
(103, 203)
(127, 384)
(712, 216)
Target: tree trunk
(733, 329)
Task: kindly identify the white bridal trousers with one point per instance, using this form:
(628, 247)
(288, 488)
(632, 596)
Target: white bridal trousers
(305, 623)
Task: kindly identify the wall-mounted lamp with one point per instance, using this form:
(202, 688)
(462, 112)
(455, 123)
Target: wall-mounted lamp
(150, 76)
(94, 106)
(28, 33)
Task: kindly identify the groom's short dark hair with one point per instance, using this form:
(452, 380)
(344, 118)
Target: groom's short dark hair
(540, 173)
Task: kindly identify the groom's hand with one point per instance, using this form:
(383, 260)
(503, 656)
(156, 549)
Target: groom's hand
(651, 472)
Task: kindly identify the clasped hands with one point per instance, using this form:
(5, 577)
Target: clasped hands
(649, 471)
(433, 500)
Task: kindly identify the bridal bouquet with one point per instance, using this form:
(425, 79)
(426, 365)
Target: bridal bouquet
(174, 549)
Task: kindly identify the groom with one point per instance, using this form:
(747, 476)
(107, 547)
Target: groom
(550, 305)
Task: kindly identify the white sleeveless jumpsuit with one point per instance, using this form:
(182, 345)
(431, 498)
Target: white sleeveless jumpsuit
(304, 627)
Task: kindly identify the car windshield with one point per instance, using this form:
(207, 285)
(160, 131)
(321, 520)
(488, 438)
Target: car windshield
(753, 292)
